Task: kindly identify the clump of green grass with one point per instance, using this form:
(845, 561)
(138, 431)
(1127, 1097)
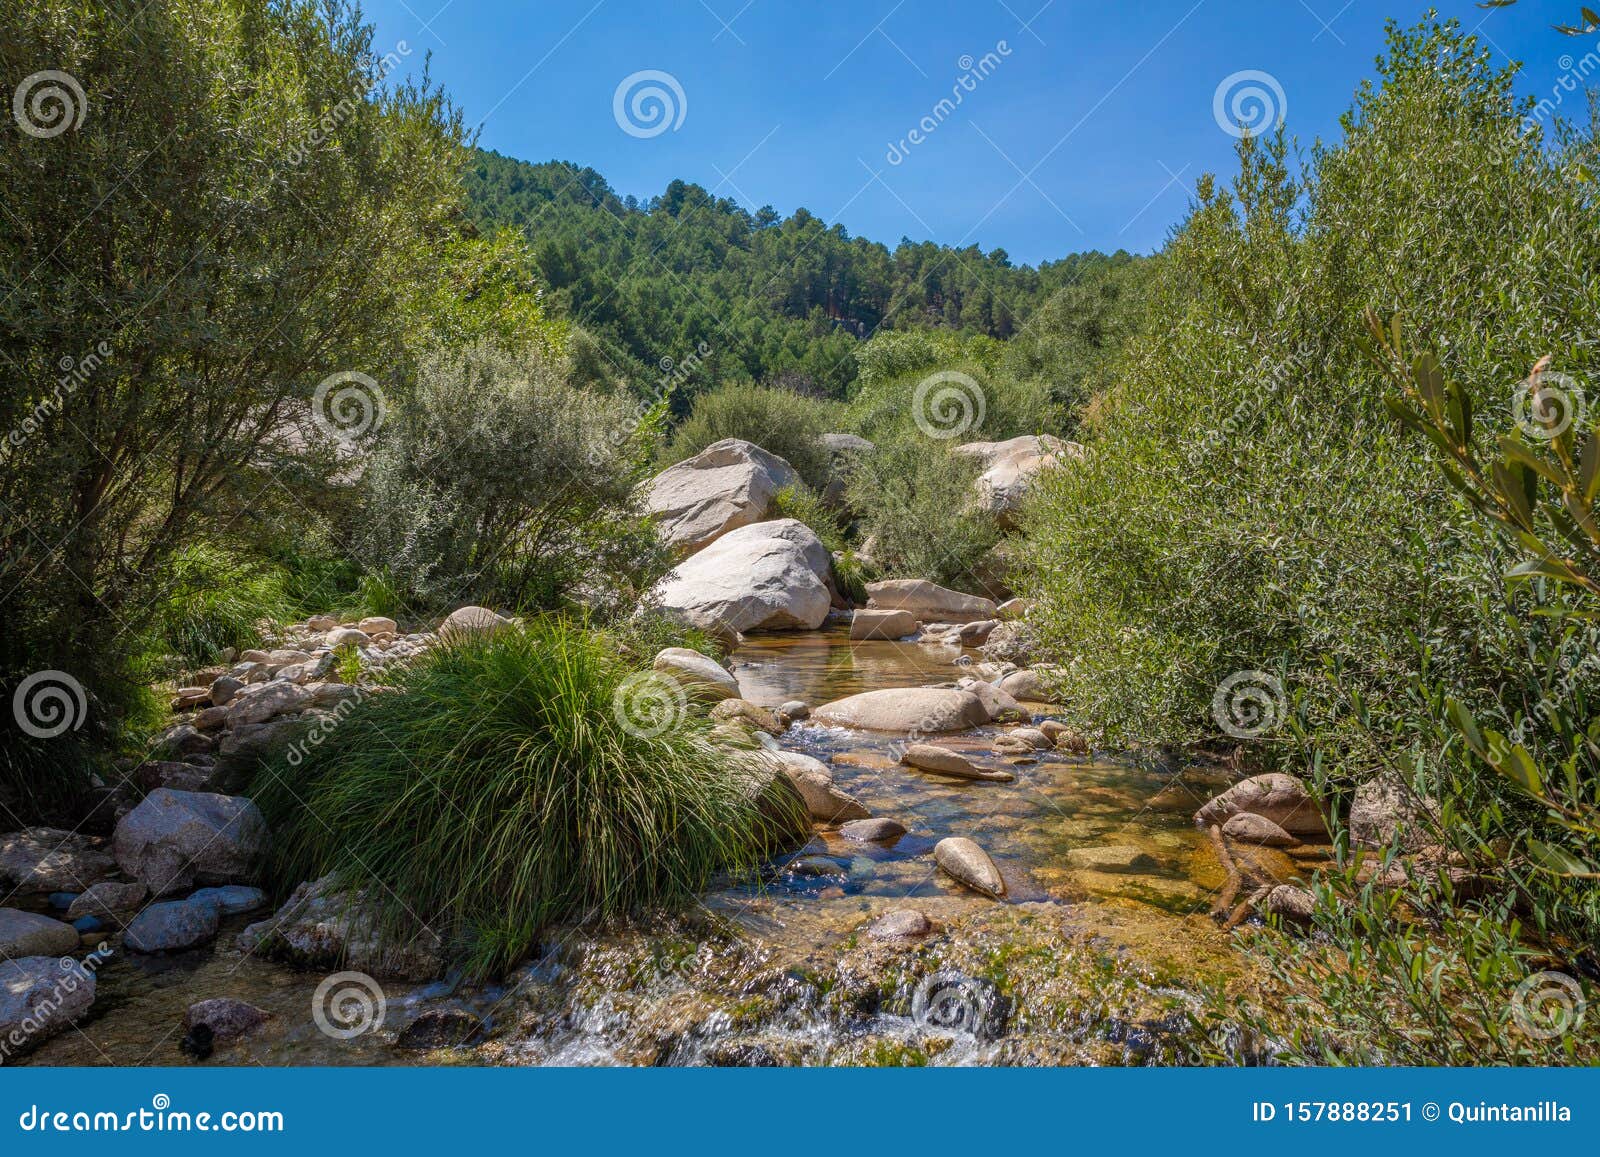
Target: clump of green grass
(213, 603)
(499, 789)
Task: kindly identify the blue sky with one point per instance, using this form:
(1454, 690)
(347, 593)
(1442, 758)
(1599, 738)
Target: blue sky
(1086, 131)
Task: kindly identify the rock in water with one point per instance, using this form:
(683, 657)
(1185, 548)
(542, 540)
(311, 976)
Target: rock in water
(52, 860)
(943, 761)
(1249, 828)
(772, 576)
(811, 778)
(38, 998)
(699, 674)
(967, 863)
(1027, 685)
(224, 1017)
(30, 934)
(173, 926)
(323, 928)
(928, 601)
(871, 830)
(1279, 797)
(869, 624)
(904, 924)
(745, 712)
(729, 484)
(106, 900)
(908, 710)
(1116, 859)
(176, 839)
(1291, 904)
(441, 1028)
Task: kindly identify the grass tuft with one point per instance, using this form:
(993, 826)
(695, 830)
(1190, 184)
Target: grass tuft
(496, 791)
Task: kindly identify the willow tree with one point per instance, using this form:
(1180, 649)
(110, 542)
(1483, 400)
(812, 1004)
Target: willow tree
(212, 206)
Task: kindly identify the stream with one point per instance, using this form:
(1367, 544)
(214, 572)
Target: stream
(1077, 965)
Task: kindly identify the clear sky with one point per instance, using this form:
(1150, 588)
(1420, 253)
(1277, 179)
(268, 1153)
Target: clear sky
(1082, 124)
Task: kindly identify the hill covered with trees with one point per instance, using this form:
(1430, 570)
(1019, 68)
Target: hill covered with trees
(780, 300)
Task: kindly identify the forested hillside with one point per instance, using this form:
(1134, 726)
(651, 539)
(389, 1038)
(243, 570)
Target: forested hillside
(782, 300)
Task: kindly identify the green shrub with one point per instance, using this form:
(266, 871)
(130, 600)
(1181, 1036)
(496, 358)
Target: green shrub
(213, 603)
(501, 483)
(804, 505)
(964, 403)
(894, 354)
(781, 422)
(506, 784)
(917, 514)
(1247, 502)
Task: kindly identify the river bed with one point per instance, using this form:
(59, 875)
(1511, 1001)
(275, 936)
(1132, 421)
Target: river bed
(1076, 965)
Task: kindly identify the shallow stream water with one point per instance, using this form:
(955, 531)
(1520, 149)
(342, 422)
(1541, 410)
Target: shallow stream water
(1084, 965)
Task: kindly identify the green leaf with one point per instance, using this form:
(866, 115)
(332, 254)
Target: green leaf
(1464, 723)
(1557, 860)
(1514, 762)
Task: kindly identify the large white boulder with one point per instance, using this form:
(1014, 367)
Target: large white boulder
(772, 576)
(177, 839)
(697, 673)
(729, 484)
(908, 710)
(928, 601)
(1009, 467)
